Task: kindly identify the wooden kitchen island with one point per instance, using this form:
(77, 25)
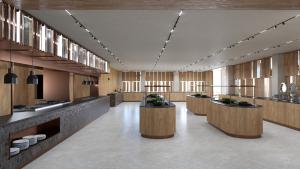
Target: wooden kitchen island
(235, 120)
(157, 122)
(198, 105)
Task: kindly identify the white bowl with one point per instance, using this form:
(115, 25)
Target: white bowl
(14, 151)
(21, 143)
(32, 139)
(40, 137)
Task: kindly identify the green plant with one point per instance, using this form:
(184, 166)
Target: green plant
(243, 103)
(228, 101)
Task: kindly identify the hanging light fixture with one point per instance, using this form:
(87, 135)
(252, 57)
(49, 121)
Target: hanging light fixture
(32, 78)
(10, 77)
(84, 82)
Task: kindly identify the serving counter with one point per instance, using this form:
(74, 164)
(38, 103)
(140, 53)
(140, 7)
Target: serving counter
(236, 121)
(57, 124)
(281, 112)
(197, 105)
(157, 121)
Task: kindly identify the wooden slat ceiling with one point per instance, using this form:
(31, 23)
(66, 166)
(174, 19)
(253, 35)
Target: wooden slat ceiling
(156, 4)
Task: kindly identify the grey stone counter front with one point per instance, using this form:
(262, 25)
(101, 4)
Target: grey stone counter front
(115, 99)
(72, 118)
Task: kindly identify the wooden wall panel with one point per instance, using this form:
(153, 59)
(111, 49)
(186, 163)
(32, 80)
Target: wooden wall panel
(80, 90)
(290, 63)
(5, 91)
(108, 83)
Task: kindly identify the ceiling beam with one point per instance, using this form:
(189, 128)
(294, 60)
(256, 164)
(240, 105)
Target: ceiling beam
(155, 4)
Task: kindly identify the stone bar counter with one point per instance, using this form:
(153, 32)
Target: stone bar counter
(58, 124)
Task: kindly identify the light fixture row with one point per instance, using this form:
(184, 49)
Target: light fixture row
(168, 39)
(251, 54)
(216, 53)
(100, 43)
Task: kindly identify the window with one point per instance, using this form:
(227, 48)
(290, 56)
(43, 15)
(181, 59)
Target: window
(159, 79)
(82, 55)
(28, 31)
(2, 20)
(74, 52)
(62, 47)
(192, 82)
(131, 81)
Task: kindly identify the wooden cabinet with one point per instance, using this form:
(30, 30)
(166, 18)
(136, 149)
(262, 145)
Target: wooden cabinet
(198, 106)
(236, 121)
(133, 96)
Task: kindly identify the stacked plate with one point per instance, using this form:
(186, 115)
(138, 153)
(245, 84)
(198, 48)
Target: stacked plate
(40, 137)
(14, 151)
(22, 144)
(32, 139)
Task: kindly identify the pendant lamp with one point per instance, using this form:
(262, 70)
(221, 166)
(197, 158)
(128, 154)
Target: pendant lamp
(32, 78)
(10, 77)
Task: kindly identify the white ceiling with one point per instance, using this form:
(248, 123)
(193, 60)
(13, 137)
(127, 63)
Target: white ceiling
(137, 36)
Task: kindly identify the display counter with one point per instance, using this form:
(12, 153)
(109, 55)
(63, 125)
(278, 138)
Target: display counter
(281, 112)
(236, 121)
(157, 122)
(198, 105)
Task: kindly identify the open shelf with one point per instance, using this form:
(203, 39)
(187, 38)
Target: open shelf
(49, 128)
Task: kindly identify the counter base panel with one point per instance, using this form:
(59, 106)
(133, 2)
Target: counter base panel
(235, 135)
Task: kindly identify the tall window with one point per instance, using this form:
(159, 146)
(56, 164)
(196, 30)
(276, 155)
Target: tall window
(221, 82)
(131, 81)
(192, 81)
(162, 79)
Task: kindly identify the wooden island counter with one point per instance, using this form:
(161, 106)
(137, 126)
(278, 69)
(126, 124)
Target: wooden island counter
(235, 120)
(198, 105)
(157, 122)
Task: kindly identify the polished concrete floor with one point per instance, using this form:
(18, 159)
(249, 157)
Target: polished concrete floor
(113, 142)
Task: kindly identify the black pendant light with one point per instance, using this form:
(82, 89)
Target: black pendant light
(32, 78)
(10, 77)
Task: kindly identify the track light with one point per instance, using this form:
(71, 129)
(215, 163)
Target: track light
(180, 13)
(68, 12)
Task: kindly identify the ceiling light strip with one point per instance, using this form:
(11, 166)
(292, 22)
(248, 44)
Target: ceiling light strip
(251, 54)
(168, 39)
(101, 44)
(282, 23)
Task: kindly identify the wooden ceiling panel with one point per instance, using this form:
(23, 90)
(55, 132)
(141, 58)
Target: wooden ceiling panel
(156, 4)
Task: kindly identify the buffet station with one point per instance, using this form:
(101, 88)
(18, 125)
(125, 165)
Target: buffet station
(157, 114)
(116, 98)
(236, 118)
(31, 131)
(198, 104)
